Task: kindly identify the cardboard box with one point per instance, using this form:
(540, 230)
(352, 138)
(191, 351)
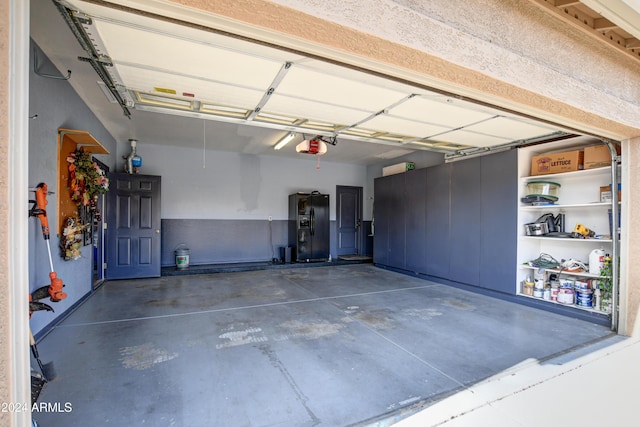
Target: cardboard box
(398, 168)
(597, 156)
(605, 193)
(567, 161)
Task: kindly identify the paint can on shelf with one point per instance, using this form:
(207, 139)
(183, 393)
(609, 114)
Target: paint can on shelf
(182, 257)
(580, 285)
(565, 296)
(567, 283)
(584, 298)
(553, 295)
(537, 292)
(539, 279)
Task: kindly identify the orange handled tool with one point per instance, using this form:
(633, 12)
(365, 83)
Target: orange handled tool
(56, 285)
(41, 212)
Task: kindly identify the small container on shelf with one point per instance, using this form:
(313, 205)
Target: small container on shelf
(528, 286)
(566, 296)
(547, 189)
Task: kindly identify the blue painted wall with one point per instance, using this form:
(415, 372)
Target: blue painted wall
(212, 241)
(56, 105)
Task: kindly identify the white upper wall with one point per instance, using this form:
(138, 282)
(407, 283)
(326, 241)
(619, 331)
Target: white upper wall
(199, 184)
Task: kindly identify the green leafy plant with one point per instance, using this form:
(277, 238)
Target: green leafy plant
(605, 283)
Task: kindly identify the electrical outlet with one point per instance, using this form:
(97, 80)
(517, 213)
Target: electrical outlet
(270, 218)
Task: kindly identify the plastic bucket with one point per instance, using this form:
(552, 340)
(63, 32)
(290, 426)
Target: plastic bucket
(182, 258)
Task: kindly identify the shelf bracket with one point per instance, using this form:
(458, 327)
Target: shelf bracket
(36, 66)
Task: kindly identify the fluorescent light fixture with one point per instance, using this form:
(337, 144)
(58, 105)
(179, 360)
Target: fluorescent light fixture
(284, 141)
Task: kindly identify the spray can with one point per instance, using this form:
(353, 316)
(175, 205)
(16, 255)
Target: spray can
(598, 299)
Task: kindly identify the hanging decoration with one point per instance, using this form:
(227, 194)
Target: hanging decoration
(86, 181)
(72, 238)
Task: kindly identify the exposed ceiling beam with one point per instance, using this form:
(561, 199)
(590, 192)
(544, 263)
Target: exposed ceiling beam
(586, 15)
(603, 24)
(632, 43)
(561, 3)
(625, 14)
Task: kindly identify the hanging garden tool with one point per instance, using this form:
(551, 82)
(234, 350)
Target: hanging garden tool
(53, 290)
(39, 209)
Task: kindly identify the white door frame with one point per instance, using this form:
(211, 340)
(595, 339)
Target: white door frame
(18, 191)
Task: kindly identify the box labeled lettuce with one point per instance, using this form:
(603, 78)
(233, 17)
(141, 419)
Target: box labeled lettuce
(567, 161)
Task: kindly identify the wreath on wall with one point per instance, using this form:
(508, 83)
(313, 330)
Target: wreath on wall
(86, 181)
(72, 238)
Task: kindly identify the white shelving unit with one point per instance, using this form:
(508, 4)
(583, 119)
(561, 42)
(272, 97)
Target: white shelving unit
(579, 201)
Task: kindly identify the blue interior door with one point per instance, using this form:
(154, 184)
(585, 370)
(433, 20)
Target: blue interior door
(133, 226)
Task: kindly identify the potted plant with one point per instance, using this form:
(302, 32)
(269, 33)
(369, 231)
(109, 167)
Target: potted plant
(605, 285)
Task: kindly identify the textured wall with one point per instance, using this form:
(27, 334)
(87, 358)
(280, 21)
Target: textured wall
(529, 49)
(629, 268)
(5, 333)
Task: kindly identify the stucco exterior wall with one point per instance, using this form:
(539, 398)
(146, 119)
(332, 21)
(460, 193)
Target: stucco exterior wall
(516, 42)
(630, 272)
(5, 334)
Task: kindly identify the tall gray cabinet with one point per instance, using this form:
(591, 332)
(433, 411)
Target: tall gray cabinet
(453, 221)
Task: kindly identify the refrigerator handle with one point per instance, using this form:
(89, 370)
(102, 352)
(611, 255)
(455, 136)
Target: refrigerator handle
(311, 222)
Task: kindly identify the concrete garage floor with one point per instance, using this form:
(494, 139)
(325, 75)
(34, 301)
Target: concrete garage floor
(329, 346)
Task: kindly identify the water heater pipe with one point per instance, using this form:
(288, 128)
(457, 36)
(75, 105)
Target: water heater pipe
(128, 167)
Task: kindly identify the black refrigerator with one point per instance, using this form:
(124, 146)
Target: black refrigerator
(309, 226)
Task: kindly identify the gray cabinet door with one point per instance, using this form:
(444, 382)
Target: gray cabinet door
(381, 216)
(398, 206)
(437, 230)
(498, 234)
(416, 220)
(466, 221)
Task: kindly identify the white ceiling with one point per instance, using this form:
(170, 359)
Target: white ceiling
(165, 63)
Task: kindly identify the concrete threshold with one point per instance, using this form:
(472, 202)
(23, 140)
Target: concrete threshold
(591, 385)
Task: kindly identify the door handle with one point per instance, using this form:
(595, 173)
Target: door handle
(157, 231)
(313, 219)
